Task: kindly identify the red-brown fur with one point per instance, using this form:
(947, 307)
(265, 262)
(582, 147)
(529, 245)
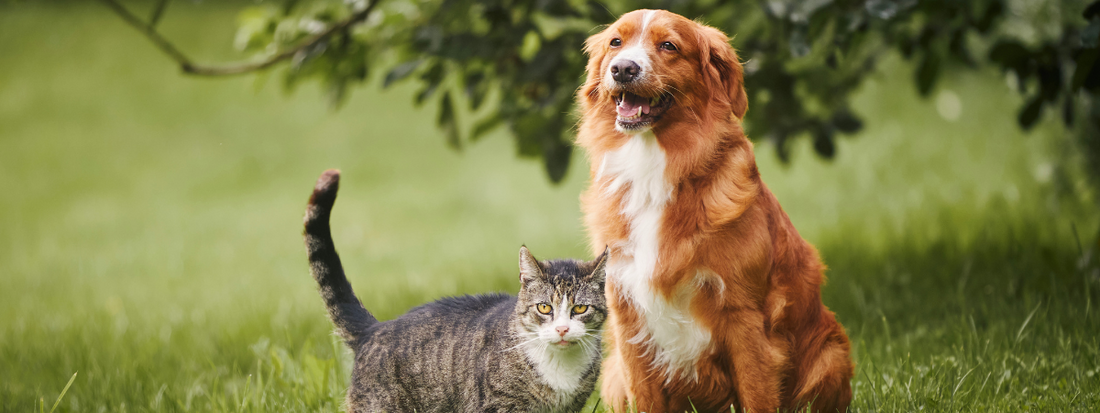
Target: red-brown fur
(774, 345)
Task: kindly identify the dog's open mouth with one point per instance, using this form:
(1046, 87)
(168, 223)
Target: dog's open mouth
(636, 112)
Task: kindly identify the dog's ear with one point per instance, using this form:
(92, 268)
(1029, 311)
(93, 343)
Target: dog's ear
(722, 70)
(596, 48)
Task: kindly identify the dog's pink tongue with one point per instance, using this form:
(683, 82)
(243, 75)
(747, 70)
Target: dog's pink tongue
(631, 105)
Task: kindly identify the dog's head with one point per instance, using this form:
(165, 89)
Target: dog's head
(652, 65)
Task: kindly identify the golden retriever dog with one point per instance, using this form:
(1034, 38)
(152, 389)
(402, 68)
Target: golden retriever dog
(715, 299)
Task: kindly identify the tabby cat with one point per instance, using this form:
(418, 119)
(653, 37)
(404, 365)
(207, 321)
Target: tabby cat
(538, 352)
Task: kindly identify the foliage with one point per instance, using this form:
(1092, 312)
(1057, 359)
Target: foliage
(804, 59)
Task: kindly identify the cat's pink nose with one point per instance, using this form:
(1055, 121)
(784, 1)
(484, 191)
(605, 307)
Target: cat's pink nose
(562, 330)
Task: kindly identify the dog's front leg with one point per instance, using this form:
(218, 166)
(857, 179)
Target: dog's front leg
(614, 390)
(648, 394)
(630, 365)
(627, 382)
(757, 362)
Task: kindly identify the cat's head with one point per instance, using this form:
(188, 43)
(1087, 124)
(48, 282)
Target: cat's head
(561, 303)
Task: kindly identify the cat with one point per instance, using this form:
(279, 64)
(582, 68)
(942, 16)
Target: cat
(538, 352)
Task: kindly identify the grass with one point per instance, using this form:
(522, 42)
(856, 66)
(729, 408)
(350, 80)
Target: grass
(149, 230)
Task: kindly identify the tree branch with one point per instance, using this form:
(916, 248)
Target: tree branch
(190, 67)
(157, 13)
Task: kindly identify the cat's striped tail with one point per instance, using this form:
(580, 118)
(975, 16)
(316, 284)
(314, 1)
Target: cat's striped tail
(344, 308)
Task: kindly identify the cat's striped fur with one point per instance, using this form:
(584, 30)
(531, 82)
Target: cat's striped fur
(482, 353)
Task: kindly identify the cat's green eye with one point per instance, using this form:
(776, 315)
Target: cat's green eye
(578, 309)
(544, 308)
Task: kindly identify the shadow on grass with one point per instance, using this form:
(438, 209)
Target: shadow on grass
(1000, 317)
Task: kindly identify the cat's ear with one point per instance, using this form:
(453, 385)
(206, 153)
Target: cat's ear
(599, 272)
(529, 268)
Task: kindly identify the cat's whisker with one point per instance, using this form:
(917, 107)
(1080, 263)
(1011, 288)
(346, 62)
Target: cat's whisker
(521, 344)
(587, 345)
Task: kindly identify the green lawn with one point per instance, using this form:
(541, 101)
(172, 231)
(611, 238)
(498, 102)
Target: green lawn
(150, 230)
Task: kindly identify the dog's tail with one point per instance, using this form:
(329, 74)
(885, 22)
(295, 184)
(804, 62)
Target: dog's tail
(344, 308)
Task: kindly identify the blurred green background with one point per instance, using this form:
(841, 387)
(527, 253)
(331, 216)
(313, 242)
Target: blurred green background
(150, 229)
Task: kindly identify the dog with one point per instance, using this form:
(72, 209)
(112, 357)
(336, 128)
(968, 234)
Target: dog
(715, 299)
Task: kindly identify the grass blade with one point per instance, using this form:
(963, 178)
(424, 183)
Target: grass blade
(1020, 332)
(953, 392)
(63, 391)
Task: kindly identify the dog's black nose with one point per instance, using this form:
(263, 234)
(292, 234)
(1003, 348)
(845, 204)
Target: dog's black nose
(624, 71)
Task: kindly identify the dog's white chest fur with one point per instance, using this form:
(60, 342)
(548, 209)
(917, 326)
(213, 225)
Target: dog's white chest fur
(676, 338)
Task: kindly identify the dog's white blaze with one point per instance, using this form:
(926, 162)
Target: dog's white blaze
(671, 332)
(648, 17)
(636, 50)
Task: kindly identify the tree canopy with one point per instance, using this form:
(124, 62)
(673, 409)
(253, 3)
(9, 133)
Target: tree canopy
(803, 58)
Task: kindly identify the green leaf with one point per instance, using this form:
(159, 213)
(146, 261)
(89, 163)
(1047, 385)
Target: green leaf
(1086, 63)
(531, 45)
(1092, 10)
(433, 77)
(782, 148)
(485, 126)
(1090, 35)
(476, 89)
(255, 29)
(1011, 54)
(1050, 80)
(556, 156)
(288, 6)
(884, 9)
(307, 55)
(447, 121)
(1030, 113)
(823, 142)
(1008, 52)
(844, 121)
(798, 44)
(1068, 109)
(528, 129)
(928, 72)
(401, 71)
(993, 12)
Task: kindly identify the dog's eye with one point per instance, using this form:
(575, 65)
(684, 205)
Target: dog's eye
(616, 42)
(668, 46)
